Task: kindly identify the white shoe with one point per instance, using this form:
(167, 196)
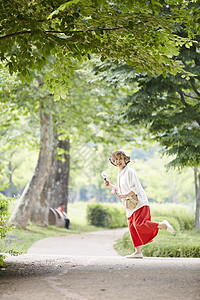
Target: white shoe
(135, 255)
(169, 227)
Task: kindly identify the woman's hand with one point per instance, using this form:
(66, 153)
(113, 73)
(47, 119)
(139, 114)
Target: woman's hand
(121, 196)
(126, 195)
(108, 184)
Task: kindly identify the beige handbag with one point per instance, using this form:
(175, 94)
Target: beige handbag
(130, 202)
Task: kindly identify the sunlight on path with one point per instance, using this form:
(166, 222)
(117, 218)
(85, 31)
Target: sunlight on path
(98, 243)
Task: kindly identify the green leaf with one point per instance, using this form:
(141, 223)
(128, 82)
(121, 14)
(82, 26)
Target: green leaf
(62, 7)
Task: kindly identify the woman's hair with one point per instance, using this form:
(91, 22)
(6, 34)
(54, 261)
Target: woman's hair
(122, 153)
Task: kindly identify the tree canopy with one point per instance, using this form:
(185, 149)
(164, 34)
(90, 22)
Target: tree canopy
(170, 109)
(167, 107)
(137, 32)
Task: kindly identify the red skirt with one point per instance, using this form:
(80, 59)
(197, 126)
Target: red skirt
(142, 229)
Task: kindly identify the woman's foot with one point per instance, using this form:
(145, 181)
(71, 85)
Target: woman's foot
(165, 225)
(135, 255)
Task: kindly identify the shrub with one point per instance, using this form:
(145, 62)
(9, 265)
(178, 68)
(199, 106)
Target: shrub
(179, 212)
(127, 242)
(117, 215)
(173, 221)
(97, 215)
(172, 250)
(106, 215)
(185, 244)
(3, 212)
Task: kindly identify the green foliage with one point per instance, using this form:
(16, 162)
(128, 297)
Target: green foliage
(185, 250)
(97, 215)
(4, 228)
(20, 240)
(172, 220)
(77, 212)
(106, 215)
(168, 107)
(138, 32)
(18, 165)
(179, 212)
(185, 243)
(165, 106)
(90, 122)
(162, 186)
(117, 215)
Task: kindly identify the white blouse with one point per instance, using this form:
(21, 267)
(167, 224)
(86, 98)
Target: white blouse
(127, 181)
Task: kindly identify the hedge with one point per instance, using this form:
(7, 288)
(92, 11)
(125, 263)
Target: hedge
(4, 228)
(177, 211)
(173, 221)
(172, 251)
(184, 244)
(106, 215)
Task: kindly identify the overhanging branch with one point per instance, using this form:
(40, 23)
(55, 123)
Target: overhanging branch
(59, 32)
(187, 105)
(190, 96)
(183, 99)
(195, 90)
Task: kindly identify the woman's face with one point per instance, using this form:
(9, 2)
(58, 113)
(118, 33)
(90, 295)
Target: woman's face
(119, 161)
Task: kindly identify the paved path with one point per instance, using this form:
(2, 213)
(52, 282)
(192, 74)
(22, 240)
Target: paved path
(89, 273)
(98, 243)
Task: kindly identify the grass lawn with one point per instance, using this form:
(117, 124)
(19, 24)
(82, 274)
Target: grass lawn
(186, 243)
(183, 244)
(20, 240)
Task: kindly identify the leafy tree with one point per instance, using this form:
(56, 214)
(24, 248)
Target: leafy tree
(89, 116)
(170, 108)
(137, 32)
(162, 186)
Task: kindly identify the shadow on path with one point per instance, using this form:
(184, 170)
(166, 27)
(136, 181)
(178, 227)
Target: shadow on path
(92, 274)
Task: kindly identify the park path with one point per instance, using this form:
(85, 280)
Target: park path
(97, 243)
(86, 267)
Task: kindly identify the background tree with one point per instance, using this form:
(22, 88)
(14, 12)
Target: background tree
(170, 108)
(137, 32)
(76, 29)
(88, 112)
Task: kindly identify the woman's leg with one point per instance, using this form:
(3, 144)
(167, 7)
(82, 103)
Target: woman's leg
(165, 225)
(162, 226)
(138, 250)
(142, 229)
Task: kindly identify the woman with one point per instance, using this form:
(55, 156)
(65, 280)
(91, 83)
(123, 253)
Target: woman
(136, 204)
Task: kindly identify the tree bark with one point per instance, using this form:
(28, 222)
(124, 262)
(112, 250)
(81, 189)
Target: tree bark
(197, 193)
(59, 177)
(33, 190)
(39, 214)
(55, 189)
(11, 185)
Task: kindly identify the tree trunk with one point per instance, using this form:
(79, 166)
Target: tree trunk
(40, 211)
(33, 190)
(197, 193)
(11, 185)
(55, 189)
(59, 179)
(39, 214)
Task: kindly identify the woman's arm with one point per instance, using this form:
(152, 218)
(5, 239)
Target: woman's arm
(108, 184)
(111, 186)
(131, 193)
